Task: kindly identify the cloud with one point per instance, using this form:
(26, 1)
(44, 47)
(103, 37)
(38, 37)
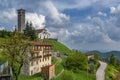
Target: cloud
(2, 28)
(53, 15)
(114, 10)
(37, 20)
(89, 17)
(102, 14)
(8, 15)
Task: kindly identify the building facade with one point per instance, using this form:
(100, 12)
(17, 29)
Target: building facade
(39, 57)
(21, 20)
(42, 34)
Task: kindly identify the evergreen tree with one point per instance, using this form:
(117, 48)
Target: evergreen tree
(113, 59)
(30, 31)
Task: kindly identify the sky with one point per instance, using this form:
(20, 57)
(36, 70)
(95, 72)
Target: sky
(80, 24)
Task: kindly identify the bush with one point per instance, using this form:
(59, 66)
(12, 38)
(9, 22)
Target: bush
(76, 62)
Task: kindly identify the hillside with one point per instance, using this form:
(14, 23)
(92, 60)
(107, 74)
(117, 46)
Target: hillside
(59, 46)
(3, 40)
(107, 54)
(116, 53)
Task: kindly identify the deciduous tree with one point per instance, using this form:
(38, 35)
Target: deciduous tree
(15, 51)
(76, 62)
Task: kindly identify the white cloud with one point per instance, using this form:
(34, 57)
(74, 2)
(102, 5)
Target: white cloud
(2, 28)
(8, 15)
(37, 20)
(102, 14)
(89, 17)
(53, 13)
(114, 10)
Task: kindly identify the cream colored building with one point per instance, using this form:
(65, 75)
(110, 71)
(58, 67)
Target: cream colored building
(40, 56)
(42, 34)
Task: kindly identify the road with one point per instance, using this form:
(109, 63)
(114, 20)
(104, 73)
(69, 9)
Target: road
(100, 74)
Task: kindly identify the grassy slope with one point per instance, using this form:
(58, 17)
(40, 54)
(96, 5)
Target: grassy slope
(34, 77)
(110, 73)
(3, 40)
(59, 46)
(69, 75)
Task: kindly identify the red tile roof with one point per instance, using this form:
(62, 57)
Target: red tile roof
(41, 43)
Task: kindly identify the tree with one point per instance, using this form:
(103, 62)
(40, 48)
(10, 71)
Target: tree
(76, 62)
(113, 59)
(30, 31)
(4, 33)
(96, 56)
(14, 50)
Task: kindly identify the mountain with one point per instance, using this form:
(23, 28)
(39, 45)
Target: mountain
(107, 54)
(116, 53)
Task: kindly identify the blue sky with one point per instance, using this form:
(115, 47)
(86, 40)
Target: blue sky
(80, 24)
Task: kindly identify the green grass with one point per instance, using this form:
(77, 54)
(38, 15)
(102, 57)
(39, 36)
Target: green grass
(110, 73)
(3, 40)
(69, 75)
(58, 68)
(34, 77)
(96, 66)
(59, 46)
(54, 60)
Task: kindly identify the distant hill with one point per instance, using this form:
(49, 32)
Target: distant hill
(107, 54)
(116, 53)
(59, 46)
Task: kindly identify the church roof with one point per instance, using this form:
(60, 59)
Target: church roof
(40, 30)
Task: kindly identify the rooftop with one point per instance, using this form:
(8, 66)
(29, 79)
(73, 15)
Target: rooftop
(41, 43)
(89, 54)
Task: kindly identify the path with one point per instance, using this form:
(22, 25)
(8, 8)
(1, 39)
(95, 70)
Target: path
(100, 74)
(59, 60)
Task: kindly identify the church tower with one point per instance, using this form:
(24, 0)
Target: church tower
(21, 20)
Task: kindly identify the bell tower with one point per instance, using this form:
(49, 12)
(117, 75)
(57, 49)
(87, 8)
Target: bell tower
(21, 20)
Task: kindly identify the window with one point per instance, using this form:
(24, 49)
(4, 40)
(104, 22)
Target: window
(36, 62)
(31, 72)
(32, 63)
(40, 60)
